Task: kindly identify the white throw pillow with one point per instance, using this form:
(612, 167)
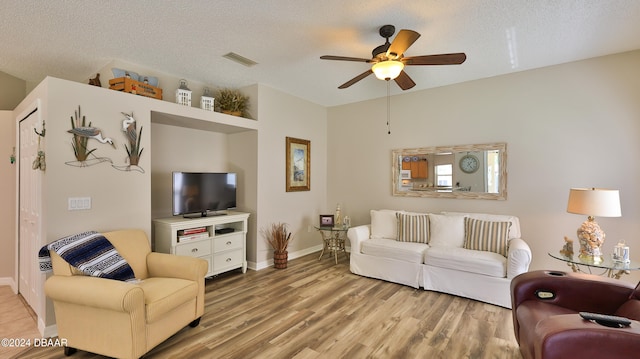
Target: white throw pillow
(446, 231)
(384, 223)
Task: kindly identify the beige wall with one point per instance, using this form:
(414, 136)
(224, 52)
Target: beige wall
(119, 199)
(12, 91)
(176, 148)
(572, 125)
(258, 158)
(280, 116)
(7, 198)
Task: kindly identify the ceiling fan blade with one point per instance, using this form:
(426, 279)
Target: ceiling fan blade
(344, 58)
(404, 81)
(355, 79)
(401, 43)
(442, 59)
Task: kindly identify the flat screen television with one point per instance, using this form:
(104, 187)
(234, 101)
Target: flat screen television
(196, 194)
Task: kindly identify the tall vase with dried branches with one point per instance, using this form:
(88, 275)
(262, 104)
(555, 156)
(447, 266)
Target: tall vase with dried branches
(278, 236)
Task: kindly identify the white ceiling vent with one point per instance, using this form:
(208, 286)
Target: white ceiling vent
(239, 59)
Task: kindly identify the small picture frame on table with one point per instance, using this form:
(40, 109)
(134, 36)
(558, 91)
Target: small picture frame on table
(326, 220)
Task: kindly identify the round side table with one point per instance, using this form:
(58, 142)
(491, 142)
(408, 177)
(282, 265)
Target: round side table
(333, 239)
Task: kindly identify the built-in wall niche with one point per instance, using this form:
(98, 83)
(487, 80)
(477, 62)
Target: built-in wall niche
(463, 171)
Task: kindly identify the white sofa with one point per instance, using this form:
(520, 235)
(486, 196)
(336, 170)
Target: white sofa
(472, 255)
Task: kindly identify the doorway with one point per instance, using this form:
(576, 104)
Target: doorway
(30, 207)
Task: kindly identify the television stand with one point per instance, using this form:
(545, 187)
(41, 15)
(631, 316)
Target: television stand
(220, 240)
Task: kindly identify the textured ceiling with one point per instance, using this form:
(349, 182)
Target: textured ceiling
(72, 39)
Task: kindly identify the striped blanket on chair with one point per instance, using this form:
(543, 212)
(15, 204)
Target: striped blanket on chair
(91, 253)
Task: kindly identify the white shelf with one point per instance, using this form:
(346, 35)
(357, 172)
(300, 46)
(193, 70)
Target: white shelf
(168, 113)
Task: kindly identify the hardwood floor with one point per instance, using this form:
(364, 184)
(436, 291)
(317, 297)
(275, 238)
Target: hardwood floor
(17, 320)
(317, 309)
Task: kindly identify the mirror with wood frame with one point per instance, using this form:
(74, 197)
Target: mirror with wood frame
(465, 171)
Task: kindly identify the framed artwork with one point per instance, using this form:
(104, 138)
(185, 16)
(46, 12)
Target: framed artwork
(298, 154)
(326, 220)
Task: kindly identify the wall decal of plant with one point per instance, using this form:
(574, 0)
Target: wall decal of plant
(79, 143)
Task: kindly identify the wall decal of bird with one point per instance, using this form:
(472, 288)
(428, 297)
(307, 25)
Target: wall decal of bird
(82, 132)
(134, 151)
(92, 132)
(129, 126)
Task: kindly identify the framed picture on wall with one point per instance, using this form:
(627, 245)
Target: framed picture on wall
(298, 157)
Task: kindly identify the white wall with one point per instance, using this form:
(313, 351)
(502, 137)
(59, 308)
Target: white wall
(572, 125)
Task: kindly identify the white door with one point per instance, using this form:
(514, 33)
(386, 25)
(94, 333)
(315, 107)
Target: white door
(30, 212)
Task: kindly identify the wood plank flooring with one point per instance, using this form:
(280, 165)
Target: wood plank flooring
(17, 320)
(317, 309)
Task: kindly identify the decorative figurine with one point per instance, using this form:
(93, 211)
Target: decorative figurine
(346, 222)
(567, 249)
(621, 253)
(95, 81)
(338, 217)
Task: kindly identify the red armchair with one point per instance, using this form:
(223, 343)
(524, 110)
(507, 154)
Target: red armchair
(545, 307)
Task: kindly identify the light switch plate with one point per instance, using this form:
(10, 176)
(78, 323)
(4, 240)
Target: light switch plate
(79, 203)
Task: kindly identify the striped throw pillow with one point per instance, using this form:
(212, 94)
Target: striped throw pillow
(413, 227)
(486, 236)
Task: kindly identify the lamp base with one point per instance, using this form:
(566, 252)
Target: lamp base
(591, 238)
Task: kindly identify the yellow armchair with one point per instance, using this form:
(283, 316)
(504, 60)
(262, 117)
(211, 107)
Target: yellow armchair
(122, 319)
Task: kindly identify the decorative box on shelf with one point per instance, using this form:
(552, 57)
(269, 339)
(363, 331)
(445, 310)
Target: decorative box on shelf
(135, 87)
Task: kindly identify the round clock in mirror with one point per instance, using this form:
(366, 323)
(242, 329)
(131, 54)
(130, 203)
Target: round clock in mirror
(469, 163)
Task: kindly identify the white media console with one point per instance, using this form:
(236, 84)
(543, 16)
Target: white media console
(220, 240)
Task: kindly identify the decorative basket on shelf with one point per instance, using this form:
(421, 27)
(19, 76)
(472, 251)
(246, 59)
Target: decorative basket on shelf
(232, 102)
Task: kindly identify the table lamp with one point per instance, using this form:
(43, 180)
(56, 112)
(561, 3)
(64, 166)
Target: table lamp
(593, 202)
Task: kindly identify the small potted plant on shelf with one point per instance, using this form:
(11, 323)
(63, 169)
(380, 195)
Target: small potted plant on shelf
(278, 236)
(232, 102)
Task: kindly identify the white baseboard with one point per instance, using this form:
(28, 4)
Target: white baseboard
(10, 282)
(48, 332)
(292, 255)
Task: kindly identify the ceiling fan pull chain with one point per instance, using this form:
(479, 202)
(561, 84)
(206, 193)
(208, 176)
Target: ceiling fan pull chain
(388, 108)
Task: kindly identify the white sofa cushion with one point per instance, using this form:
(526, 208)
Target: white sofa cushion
(413, 227)
(486, 235)
(467, 260)
(384, 223)
(446, 231)
(390, 248)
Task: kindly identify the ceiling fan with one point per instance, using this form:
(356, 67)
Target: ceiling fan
(388, 59)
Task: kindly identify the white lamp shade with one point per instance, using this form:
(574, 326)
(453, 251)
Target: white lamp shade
(387, 70)
(597, 202)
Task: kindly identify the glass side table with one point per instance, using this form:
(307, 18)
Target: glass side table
(333, 240)
(610, 268)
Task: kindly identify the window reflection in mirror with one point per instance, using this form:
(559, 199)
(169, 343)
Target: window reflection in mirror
(468, 171)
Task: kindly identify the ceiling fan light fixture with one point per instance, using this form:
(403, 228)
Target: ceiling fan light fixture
(387, 70)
